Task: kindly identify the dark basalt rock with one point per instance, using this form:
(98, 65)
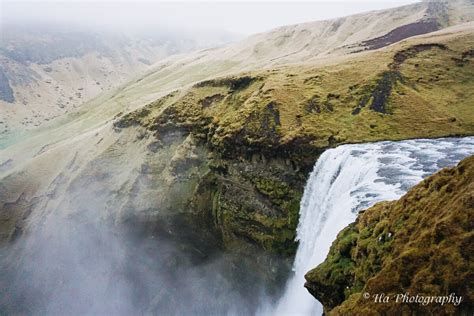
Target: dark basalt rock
(209, 100)
(377, 98)
(6, 92)
(271, 116)
(234, 84)
(313, 105)
(465, 56)
(401, 56)
(400, 33)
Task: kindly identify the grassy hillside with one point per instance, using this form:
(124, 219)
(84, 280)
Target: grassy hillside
(419, 88)
(212, 149)
(261, 132)
(313, 43)
(49, 70)
(420, 244)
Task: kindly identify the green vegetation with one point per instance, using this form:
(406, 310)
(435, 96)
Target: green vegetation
(413, 90)
(420, 244)
(264, 130)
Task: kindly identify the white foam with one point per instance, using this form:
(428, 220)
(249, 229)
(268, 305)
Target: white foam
(347, 179)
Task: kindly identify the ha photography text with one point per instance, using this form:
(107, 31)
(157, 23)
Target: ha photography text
(407, 298)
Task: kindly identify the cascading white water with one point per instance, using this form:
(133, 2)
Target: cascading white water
(347, 179)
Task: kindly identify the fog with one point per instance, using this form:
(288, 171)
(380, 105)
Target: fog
(75, 262)
(77, 257)
(242, 17)
(101, 243)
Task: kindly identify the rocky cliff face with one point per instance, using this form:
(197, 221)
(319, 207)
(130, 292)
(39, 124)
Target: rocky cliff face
(418, 245)
(264, 130)
(234, 152)
(218, 161)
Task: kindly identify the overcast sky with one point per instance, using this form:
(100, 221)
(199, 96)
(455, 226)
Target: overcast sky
(242, 17)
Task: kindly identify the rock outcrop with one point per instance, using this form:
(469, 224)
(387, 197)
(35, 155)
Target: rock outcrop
(261, 139)
(419, 245)
(218, 161)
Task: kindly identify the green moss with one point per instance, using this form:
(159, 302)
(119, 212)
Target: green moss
(295, 116)
(293, 113)
(277, 190)
(412, 245)
(293, 211)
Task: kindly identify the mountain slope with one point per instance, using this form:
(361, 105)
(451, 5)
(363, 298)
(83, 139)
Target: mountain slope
(420, 87)
(418, 245)
(310, 42)
(261, 131)
(48, 70)
(220, 147)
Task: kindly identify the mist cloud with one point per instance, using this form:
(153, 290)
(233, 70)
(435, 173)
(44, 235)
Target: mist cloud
(228, 16)
(73, 262)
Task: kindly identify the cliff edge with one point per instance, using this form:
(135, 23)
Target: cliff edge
(402, 257)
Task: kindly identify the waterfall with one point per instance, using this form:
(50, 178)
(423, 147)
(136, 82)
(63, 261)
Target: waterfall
(350, 178)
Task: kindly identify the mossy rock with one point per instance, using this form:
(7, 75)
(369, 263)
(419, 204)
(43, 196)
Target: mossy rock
(420, 244)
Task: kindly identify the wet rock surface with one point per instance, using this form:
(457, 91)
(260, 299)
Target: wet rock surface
(415, 245)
